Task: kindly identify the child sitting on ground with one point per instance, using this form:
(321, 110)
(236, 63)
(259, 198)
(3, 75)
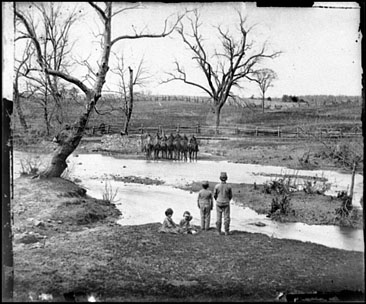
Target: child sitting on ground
(185, 225)
(168, 224)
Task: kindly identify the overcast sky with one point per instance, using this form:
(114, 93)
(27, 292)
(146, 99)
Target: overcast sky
(321, 47)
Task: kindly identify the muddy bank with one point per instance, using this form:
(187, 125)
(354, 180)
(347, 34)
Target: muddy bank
(78, 249)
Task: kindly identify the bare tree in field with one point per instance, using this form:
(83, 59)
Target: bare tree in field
(128, 79)
(264, 79)
(225, 68)
(70, 138)
(53, 36)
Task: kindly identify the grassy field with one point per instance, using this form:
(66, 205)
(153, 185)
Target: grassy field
(169, 113)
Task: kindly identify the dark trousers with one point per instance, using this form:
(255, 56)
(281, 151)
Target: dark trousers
(220, 210)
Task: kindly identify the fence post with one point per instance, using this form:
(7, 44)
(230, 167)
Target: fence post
(93, 130)
(256, 131)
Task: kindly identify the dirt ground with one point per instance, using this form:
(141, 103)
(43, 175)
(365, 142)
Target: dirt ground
(68, 245)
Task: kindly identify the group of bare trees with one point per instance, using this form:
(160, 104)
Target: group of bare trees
(50, 52)
(105, 12)
(45, 64)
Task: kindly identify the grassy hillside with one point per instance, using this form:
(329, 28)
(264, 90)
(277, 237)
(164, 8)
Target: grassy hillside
(169, 113)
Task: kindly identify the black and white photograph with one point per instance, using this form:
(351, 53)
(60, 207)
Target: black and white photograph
(182, 152)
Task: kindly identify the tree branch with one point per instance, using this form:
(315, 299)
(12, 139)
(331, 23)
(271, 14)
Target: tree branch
(164, 33)
(99, 10)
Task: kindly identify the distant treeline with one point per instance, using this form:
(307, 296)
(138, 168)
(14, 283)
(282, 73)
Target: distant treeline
(244, 101)
(321, 99)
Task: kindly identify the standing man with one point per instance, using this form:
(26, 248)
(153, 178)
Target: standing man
(205, 204)
(223, 195)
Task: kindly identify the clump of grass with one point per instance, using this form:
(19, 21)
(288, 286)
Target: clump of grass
(345, 209)
(109, 195)
(315, 187)
(283, 185)
(281, 202)
(30, 165)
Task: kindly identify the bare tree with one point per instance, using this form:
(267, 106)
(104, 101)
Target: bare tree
(224, 69)
(264, 79)
(127, 81)
(20, 70)
(70, 138)
(53, 39)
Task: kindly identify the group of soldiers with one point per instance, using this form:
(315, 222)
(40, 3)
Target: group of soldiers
(173, 147)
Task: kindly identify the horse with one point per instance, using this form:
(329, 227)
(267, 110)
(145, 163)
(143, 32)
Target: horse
(193, 148)
(176, 145)
(156, 146)
(170, 146)
(184, 147)
(164, 146)
(147, 145)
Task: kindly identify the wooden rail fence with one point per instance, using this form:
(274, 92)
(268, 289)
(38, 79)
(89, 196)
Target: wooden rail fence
(236, 131)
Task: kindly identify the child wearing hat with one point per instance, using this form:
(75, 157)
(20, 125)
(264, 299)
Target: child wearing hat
(185, 225)
(205, 204)
(168, 224)
(223, 195)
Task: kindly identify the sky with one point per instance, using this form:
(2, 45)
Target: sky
(321, 47)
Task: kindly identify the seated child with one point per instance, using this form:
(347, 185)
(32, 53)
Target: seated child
(168, 224)
(185, 225)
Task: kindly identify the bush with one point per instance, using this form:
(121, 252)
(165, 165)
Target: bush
(281, 204)
(109, 195)
(279, 186)
(315, 187)
(30, 165)
(346, 207)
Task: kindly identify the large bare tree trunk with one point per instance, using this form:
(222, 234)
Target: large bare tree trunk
(68, 140)
(217, 119)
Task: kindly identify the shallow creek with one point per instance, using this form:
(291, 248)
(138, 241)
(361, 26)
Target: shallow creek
(141, 204)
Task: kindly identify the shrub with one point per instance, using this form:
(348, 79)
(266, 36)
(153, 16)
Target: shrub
(109, 195)
(346, 207)
(279, 186)
(30, 165)
(316, 187)
(281, 204)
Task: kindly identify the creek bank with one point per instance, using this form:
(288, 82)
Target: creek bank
(311, 209)
(128, 263)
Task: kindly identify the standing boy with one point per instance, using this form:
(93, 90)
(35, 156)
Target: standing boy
(205, 204)
(223, 195)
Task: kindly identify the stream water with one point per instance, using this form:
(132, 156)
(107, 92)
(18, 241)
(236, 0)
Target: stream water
(141, 204)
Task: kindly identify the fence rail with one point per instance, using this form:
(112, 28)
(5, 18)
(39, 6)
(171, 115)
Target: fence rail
(232, 131)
